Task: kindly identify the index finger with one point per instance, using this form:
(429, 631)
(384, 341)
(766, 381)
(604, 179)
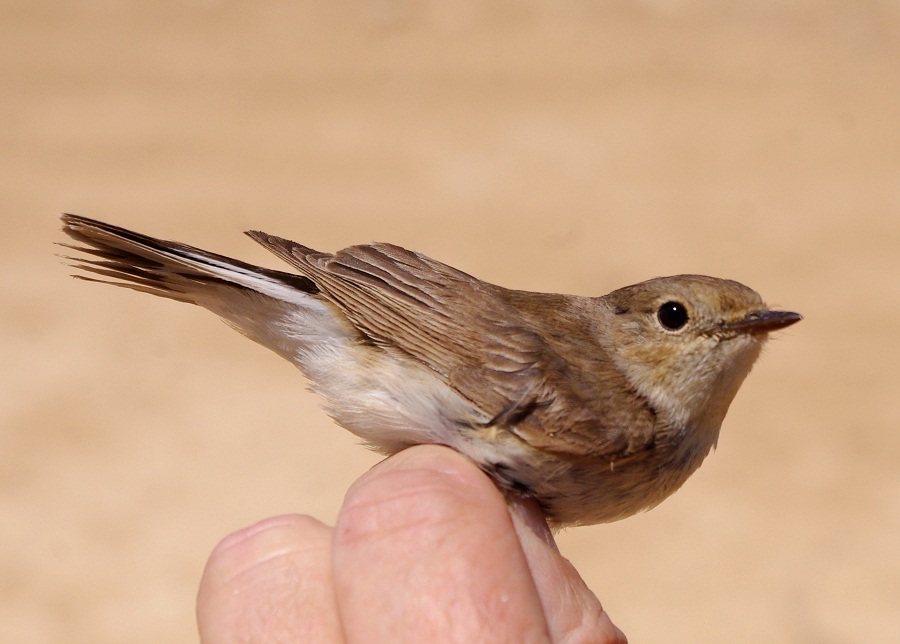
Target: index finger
(425, 550)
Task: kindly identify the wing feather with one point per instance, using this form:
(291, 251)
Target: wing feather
(437, 314)
(481, 338)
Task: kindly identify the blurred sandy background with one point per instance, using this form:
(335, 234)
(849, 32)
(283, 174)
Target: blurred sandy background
(567, 146)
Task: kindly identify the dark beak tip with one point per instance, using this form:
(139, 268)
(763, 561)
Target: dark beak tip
(765, 321)
(785, 318)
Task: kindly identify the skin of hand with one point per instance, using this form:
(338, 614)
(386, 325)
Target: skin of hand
(425, 549)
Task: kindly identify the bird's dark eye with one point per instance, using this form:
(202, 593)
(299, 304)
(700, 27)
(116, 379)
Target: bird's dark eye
(672, 315)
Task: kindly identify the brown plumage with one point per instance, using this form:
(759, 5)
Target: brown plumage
(592, 405)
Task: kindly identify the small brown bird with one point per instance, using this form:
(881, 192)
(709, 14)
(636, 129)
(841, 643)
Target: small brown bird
(598, 407)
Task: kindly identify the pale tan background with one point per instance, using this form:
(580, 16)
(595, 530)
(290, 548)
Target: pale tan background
(565, 146)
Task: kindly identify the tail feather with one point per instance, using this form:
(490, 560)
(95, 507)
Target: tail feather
(166, 268)
(281, 311)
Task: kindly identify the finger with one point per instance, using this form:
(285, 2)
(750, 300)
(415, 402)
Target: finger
(572, 611)
(270, 582)
(425, 551)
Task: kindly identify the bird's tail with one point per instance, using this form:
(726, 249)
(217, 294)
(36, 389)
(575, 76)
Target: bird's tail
(279, 310)
(166, 268)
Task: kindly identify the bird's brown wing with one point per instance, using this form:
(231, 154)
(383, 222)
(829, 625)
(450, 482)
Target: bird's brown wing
(436, 314)
(465, 330)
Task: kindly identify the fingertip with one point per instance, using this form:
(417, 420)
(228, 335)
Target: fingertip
(420, 486)
(271, 578)
(526, 514)
(572, 610)
(432, 459)
(431, 527)
(241, 550)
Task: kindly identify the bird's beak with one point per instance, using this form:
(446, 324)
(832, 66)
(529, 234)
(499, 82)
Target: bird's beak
(762, 322)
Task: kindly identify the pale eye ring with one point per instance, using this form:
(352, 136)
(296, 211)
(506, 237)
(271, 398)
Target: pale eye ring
(672, 315)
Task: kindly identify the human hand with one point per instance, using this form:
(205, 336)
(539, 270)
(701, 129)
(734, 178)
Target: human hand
(425, 549)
